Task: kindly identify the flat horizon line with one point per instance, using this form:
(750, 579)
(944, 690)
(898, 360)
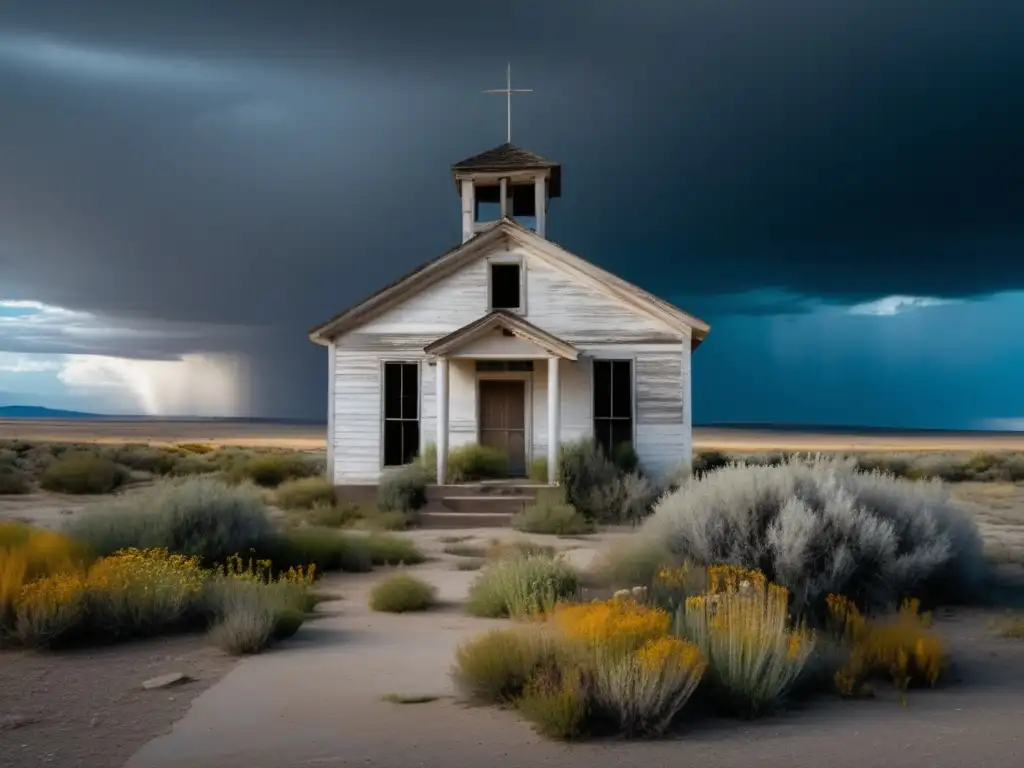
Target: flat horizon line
(837, 429)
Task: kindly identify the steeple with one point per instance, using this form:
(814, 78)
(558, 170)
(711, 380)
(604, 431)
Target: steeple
(513, 182)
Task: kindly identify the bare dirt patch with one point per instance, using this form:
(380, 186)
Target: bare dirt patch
(998, 509)
(88, 708)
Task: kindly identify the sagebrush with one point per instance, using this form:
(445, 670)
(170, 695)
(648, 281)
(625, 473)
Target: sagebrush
(200, 516)
(820, 526)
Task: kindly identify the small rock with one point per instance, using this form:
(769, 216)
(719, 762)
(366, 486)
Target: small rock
(165, 681)
(10, 722)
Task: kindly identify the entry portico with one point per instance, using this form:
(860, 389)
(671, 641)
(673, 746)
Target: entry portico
(502, 337)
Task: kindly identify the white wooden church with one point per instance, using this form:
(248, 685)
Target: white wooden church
(507, 340)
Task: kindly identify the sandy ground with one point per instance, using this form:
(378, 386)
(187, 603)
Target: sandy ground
(311, 437)
(88, 708)
(318, 702)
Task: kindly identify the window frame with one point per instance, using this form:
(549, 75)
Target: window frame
(383, 406)
(594, 418)
(509, 260)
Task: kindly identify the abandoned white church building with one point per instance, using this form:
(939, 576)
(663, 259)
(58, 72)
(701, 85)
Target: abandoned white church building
(507, 340)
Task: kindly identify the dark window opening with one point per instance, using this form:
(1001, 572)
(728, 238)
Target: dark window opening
(401, 413)
(504, 365)
(613, 404)
(487, 203)
(504, 286)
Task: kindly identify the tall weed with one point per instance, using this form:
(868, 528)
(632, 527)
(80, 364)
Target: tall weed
(741, 626)
(521, 586)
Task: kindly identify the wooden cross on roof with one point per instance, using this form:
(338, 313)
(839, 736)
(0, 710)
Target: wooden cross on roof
(508, 90)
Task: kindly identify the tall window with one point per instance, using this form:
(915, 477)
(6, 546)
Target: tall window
(613, 403)
(401, 413)
(505, 286)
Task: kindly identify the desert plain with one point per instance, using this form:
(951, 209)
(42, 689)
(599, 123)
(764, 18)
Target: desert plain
(332, 696)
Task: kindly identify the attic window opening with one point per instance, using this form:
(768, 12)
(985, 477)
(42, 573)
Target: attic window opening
(505, 286)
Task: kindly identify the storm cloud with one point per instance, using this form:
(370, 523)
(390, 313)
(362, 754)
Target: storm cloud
(213, 179)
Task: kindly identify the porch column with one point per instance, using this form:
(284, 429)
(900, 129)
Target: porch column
(554, 420)
(540, 202)
(442, 419)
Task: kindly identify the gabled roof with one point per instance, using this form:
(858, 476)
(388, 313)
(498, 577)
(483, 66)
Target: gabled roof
(514, 324)
(509, 157)
(495, 233)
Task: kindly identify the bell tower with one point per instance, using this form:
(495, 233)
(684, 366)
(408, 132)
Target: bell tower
(506, 182)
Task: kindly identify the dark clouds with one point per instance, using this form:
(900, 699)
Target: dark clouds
(265, 163)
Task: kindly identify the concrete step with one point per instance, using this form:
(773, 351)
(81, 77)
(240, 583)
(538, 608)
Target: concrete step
(496, 488)
(508, 505)
(464, 520)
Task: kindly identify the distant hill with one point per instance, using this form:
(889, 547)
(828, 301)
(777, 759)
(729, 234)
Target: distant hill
(38, 412)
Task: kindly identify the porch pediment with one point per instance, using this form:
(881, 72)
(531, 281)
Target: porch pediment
(499, 333)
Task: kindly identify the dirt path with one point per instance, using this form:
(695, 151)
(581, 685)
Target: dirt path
(318, 702)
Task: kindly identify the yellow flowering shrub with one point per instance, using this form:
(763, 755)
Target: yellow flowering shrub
(610, 661)
(251, 606)
(645, 689)
(902, 647)
(616, 626)
(28, 553)
(49, 609)
(742, 627)
(142, 591)
(673, 584)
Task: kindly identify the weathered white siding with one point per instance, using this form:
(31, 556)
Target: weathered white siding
(581, 314)
(555, 302)
(357, 417)
(660, 431)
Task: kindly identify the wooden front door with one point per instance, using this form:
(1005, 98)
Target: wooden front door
(503, 420)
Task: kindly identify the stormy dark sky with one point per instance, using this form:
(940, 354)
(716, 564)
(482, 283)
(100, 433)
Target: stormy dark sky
(837, 187)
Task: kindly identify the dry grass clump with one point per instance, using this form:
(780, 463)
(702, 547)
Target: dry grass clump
(350, 515)
(251, 608)
(304, 493)
(476, 462)
(604, 666)
(403, 489)
(1010, 626)
(330, 550)
(521, 586)
(467, 463)
(741, 624)
(821, 527)
(82, 473)
(269, 470)
(401, 593)
(948, 466)
(13, 482)
(466, 550)
(901, 647)
(196, 448)
(551, 514)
